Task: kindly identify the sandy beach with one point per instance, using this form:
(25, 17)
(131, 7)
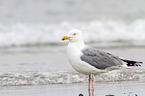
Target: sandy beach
(101, 89)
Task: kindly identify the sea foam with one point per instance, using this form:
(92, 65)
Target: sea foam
(94, 31)
(47, 78)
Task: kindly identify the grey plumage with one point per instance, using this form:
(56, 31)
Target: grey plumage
(100, 59)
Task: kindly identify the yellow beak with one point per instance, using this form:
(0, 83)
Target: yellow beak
(65, 38)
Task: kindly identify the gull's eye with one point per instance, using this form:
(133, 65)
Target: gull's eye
(74, 34)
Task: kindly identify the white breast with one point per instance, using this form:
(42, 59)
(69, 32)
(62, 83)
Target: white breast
(74, 54)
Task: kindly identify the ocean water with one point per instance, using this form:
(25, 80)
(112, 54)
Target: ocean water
(32, 55)
(44, 67)
(96, 32)
(104, 23)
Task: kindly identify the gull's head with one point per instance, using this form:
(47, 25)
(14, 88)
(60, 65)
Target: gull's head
(74, 36)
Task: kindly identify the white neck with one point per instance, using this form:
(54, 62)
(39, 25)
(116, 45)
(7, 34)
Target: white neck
(74, 49)
(76, 45)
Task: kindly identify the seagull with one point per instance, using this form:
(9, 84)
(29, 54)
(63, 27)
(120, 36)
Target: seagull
(91, 61)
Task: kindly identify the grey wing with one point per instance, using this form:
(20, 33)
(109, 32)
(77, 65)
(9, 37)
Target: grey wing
(100, 59)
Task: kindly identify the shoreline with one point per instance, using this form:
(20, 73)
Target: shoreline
(101, 89)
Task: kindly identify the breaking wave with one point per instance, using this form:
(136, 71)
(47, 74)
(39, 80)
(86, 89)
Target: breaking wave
(95, 31)
(46, 78)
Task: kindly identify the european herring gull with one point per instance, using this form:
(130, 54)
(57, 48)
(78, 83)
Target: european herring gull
(89, 61)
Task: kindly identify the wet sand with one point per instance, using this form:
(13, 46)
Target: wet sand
(101, 89)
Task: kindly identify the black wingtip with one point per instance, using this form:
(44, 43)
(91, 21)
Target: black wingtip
(129, 64)
(132, 62)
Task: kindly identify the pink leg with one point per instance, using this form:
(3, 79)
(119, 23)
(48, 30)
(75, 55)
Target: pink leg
(89, 85)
